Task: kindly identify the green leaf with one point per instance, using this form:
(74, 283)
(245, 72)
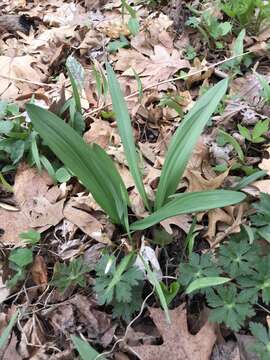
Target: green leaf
(265, 87)
(188, 203)
(48, 166)
(35, 153)
(7, 330)
(244, 132)
(77, 72)
(121, 268)
(62, 175)
(206, 282)
(113, 46)
(21, 257)
(171, 291)
(125, 130)
(30, 237)
(260, 128)
(184, 140)
(155, 282)
(6, 126)
(90, 164)
(249, 179)
(133, 26)
(231, 140)
(85, 350)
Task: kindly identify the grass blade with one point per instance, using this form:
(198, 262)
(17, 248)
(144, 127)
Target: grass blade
(184, 140)
(90, 164)
(249, 179)
(85, 350)
(6, 332)
(119, 271)
(206, 282)
(188, 203)
(125, 131)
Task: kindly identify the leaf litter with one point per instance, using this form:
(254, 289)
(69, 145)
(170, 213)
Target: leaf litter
(71, 223)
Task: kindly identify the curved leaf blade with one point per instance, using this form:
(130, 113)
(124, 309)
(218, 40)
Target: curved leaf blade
(188, 203)
(184, 140)
(125, 131)
(206, 282)
(90, 164)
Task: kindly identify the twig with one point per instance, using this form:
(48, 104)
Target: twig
(128, 327)
(28, 81)
(182, 77)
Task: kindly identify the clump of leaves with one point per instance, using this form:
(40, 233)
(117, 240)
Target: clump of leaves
(262, 343)
(119, 286)
(260, 221)
(212, 30)
(72, 274)
(256, 135)
(229, 306)
(242, 266)
(20, 258)
(250, 14)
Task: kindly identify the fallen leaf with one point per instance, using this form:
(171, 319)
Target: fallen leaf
(37, 200)
(181, 221)
(177, 341)
(17, 67)
(39, 272)
(262, 185)
(85, 221)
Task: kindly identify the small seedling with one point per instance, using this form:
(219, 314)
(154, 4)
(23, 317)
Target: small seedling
(70, 275)
(256, 135)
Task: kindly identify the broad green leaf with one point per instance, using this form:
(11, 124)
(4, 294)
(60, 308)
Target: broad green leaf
(265, 87)
(115, 45)
(62, 175)
(125, 131)
(244, 132)
(206, 282)
(85, 350)
(260, 128)
(21, 256)
(89, 163)
(6, 332)
(6, 126)
(231, 140)
(184, 140)
(30, 237)
(187, 203)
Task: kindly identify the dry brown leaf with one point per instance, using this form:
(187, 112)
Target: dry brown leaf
(194, 76)
(39, 272)
(198, 183)
(215, 216)
(37, 201)
(161, 65)
(181, 221)
(34, 334)
(17, 67)
(177, 341)
(102, 134)
(263, 186)
(75, 213)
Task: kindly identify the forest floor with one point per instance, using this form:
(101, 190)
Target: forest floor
(60, 251)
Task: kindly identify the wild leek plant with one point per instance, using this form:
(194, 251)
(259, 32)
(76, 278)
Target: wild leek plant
(97, 172)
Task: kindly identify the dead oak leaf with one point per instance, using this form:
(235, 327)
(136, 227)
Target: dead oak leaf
(177, 340)
(161, 65)
(36, 198)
